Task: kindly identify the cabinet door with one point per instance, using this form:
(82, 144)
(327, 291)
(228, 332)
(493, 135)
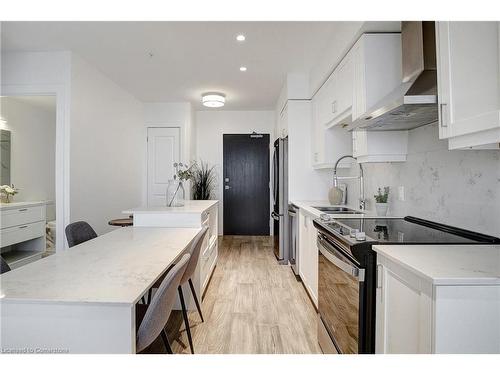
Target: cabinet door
(313, 255)
(468, 77)
(308, 266)
(327, 100)
(358, 80)
(283, 123)
(303, 241)
(317, 136)
(342, 104)
(403, 310)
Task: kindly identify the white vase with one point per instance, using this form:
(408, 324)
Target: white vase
(381, 208)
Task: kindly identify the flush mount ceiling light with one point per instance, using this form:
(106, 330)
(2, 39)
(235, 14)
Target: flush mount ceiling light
(213, 99)
(243, 68)
(240, 38)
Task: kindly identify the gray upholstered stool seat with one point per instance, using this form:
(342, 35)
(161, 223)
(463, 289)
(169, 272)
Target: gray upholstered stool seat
(79, 232)
(4, 267)
(151, 319)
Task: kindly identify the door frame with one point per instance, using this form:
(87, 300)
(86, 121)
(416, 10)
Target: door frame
(62, 152)
(269, 186)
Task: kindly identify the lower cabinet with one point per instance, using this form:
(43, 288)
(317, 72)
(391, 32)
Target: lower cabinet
(415, 316)
(308, 255)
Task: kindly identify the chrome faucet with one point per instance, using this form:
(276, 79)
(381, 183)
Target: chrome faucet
(362, 200)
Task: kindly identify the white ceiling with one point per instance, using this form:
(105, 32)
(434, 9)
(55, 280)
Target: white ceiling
(189, 58)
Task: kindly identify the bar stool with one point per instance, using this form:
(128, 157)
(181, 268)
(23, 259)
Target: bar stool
(195, 250)
(151, 319)
(79, 232)
(4, 266)
(191, 267)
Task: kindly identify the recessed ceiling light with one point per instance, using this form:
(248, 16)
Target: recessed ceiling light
(243, 68)
(240, 38)
(213, 99)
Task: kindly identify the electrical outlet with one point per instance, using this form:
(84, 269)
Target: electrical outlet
(401, 193)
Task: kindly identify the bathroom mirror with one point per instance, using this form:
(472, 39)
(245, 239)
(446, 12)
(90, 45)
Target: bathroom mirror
(5, 157)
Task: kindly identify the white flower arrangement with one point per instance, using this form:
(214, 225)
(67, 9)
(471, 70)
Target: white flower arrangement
(8, 191)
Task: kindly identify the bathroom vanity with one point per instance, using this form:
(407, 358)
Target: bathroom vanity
(22, 232)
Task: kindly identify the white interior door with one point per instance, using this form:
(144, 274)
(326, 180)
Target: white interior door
(163, 152)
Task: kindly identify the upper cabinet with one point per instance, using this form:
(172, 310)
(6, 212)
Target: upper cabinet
(377, 70)
(282, 130)
(468, 83)
(334, 99)
(370, 71)
(329, 143)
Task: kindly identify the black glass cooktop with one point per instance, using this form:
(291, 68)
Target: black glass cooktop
(410, 230)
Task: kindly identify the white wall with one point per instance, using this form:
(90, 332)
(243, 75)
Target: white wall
(33, 149)
(211, 125)
(459, 188)
(107, 147)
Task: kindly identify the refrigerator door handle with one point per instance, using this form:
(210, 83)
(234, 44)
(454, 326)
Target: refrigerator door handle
(275, 177)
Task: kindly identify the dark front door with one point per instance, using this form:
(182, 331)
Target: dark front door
(246, 184)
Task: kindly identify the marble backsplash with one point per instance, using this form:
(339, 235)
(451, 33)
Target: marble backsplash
(459, 188)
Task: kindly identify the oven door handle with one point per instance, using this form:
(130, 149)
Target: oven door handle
(332, 255)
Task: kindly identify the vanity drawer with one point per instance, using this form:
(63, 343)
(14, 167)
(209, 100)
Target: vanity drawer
(20, 233)
(22, 215)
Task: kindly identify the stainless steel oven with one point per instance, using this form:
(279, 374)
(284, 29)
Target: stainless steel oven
(340, 285)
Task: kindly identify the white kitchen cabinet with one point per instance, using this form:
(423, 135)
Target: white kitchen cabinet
(282, 130)
(377, 70)
(413, 315)
(308, 255)
(468, 83)
(379, 146)
(334, 98)
(328, 143)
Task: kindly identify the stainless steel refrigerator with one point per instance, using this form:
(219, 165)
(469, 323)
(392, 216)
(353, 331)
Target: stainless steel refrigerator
(280, 199)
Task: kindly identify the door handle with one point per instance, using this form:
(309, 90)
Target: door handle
(330, 254)
(227, 187)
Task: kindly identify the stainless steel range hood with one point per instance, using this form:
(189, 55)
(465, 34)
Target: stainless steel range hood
(414, 102)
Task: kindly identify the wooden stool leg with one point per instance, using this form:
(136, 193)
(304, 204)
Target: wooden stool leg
(186, 321)
(195, 299)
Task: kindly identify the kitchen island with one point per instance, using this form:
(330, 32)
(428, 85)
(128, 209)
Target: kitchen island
(194, 214)
(438, 299)
(83, 300)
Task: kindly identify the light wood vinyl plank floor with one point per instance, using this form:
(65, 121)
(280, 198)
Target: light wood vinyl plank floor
(252, 305)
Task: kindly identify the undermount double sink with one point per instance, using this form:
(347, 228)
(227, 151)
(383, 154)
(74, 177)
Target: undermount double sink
(337, 210)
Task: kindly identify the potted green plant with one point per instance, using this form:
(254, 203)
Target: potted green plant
(203, 181)
(381, 198)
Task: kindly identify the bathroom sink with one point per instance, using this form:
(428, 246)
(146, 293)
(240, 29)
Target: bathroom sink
(337, 210)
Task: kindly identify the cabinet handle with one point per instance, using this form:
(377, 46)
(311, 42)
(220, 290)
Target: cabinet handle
(23, 209)
(379, 276)
(334, 106)
(22, 227)
(444, 123)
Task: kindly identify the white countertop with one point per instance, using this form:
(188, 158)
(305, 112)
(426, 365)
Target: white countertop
(190, 206)
(117, 267)
(308, 206)
(12, 205)
(448, 264)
